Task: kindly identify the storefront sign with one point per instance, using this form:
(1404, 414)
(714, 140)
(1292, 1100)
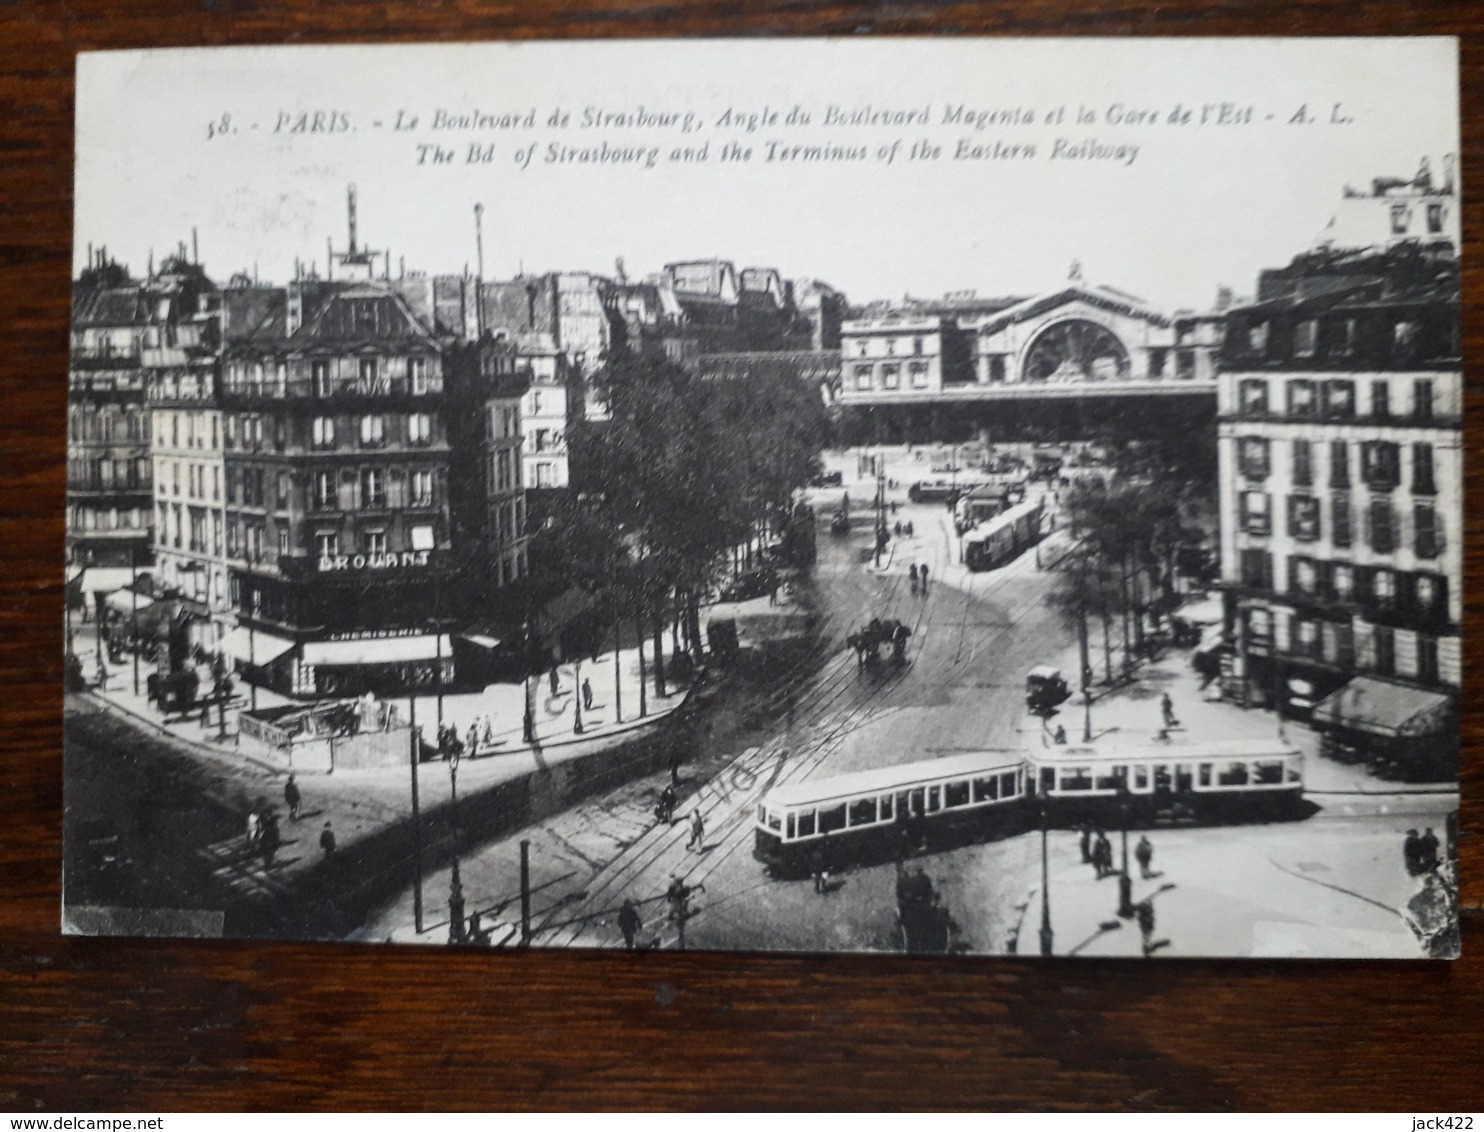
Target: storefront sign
(331, 564)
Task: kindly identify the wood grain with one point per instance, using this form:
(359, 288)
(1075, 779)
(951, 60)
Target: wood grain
(181, 1025)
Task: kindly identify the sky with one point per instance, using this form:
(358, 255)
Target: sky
(254, 147)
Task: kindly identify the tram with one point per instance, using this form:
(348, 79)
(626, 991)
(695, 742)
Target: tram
(894, 812)
(1005, 537)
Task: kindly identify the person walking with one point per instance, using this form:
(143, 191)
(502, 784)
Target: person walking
(1085, 843)
(923, 576)
(270, 840)
(472, 742)
(1144, 854)
(1427, 850)
(1144, 913)
(674, 769)
(291, 797)
(629, 923)
(1104, 855)
(327, 840)
(666, 810)
(254, 829)
(587, 692)
(1412, 854)
(697, 832)
(1167, 708)
(676, 895)
(486, 731)
(913, 574)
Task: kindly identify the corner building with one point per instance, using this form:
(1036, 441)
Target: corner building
(1340, 447)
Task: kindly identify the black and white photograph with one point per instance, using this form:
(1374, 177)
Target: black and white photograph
(985, 497)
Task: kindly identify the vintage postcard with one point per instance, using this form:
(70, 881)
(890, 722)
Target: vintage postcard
(970, 496)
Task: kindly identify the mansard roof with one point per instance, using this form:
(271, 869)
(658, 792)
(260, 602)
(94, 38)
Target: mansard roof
(363, 316)
(110, 306)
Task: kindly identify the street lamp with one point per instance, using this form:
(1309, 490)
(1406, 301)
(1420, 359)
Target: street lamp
(1125, 882)
(1046, 934)
(577, 696)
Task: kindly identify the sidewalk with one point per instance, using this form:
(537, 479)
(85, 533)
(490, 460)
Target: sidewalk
(361, 804)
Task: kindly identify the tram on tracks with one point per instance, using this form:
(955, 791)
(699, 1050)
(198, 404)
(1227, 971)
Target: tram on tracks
(872, 816)
(1005, 537)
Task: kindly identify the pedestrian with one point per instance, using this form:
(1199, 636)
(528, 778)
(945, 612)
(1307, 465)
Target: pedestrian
(1086, 843)
(555, 681)
(894, 509)
(486, 731)
(913, 574)
(923, 575)
(1104, 854)
(270, 839)
(1411, 853)
(675, 896)
(667, 805)
(1167, 708)
(674, 769)
(327, 840)
(1060, 738)
(1144, 913)
(629, 923)
(291, 797)
(472, 741)
(587, 689)
(102, 673)
(254, 829)
(1427, 850)
(1144, 854)
(816, 870)
(697, 832)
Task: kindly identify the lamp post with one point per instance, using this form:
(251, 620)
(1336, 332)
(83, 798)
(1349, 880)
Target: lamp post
(1125, 882)
(251, 601)
(1046, 934)
(134, 610)
(528, 717)
(455, 906)
(415, 754)
(577, 696)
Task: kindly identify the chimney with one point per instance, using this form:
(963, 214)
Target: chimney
(195, 247)
(479, 271)
(1449, 162)
(329, 258)
(350, 208)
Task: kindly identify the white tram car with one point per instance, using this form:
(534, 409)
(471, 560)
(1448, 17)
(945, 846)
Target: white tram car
(886, 814)
(1005, 537)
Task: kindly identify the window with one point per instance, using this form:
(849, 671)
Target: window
(1305, 338)
(1381, 400)
(1434, 219)
(986, 789)
(367, 375)
(1252, 394)
(919, 374)
(417, 373)
(862, 811)
(1306, 638)
(1342, 581)
(419, 429)
(322, 432)
(229, 432)
(1383, 588)
(1427, 530)
(1380, 463)
(1427, 659)
(1252, 457)
(282, 495)
(1425, 592)
(1339, 519)
(373, 430)
(373, 488)
(1256, 517)
(891, 376)
(1422, 479)
(320, 372)
(955, 794)
(863, 376)
(1344, 335)
(1304, 576)
(1401, 218)
(1302, 401)
(1384, 641)
(1422, 400)
(283, 541)
(324, 489)
(422, 488)
(374, 541)
(1257, 569)
(1339, 399)
(1382, 526)
(1303, 517)
(1404, 341)
(1303, 463)
(917, 345)
(327, 543)
(1339, 464)
(832, 819)
(545, 475)
(1257, 338)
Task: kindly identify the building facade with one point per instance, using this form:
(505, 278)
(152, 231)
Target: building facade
(1340, 428)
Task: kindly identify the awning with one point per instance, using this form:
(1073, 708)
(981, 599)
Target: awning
(480, 639)
(106, 579)
(376, 650)
(1212, 639)
(1383, 707)
(563, 609)
(253, 646)
(127, 601)
(1208, 611)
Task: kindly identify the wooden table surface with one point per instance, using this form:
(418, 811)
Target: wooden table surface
(136, 1024)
